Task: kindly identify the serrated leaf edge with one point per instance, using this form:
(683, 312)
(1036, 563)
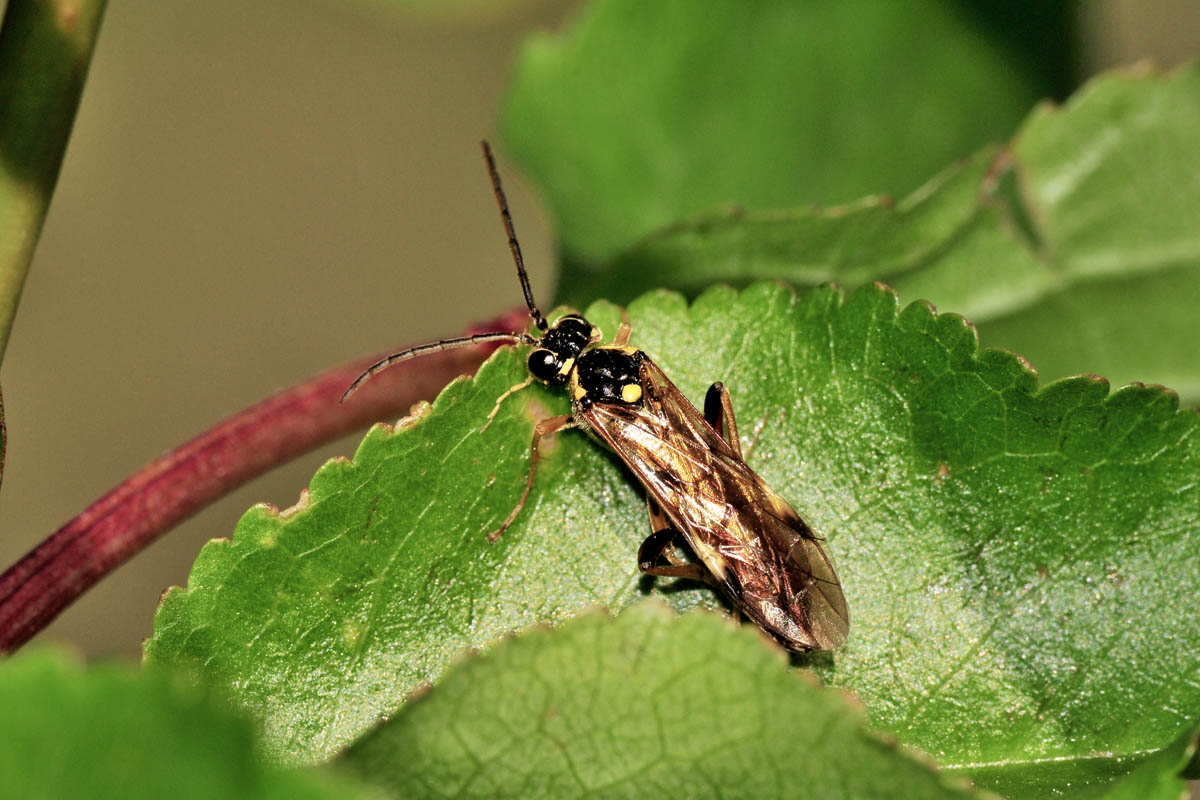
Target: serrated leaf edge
(958, 328)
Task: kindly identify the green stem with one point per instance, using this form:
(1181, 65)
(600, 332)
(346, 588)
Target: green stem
(45, 49)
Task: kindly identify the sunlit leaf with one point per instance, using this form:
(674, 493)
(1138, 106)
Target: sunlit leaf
(1015, 558)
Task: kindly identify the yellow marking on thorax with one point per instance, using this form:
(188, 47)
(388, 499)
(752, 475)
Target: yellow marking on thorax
(631, 392)
(628, 350)
(579, 393)
(567, 366)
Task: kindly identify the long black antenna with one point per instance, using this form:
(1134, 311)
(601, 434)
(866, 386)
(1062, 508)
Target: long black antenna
(479, 338)
(433, 347)
(513, 245)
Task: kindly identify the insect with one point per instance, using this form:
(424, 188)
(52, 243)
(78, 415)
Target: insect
(703, 500)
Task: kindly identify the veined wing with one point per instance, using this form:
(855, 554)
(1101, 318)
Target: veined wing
(761, 553)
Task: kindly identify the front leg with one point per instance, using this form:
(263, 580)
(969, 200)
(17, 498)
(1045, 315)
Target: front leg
(543, 428)
(496, 408)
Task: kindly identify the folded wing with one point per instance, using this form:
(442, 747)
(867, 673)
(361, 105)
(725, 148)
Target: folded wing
(764, 557)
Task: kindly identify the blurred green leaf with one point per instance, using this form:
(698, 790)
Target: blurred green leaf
(1076, 248)
(537, 714)
(109, 731)
(1015, 558)
(45, 49)
(645, 112)
(1039, 37)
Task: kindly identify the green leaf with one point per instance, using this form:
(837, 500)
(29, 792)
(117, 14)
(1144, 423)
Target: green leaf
(1157, 777)
(109, 731)
(1076, 247)
(645, 112)
(1153, 775)
(1013, 556)
(696, 703)
(45, 49)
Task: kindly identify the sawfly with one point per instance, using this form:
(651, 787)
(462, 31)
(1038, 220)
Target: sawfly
(703, 500)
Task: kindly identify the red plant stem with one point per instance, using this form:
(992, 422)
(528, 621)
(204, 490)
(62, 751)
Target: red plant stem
(170, 489)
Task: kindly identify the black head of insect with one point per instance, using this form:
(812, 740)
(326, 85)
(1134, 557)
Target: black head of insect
(558, 350)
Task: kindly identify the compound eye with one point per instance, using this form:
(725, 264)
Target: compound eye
(544, 364)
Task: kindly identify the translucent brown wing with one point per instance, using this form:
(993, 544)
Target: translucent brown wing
(763, 556)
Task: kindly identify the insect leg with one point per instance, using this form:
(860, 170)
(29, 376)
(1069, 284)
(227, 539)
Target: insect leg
(718, 411)
(658, 520)
(543, 428)
(496, 408)
(624, 330)
(660, 546)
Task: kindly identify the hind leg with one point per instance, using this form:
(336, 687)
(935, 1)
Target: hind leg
(659, 555)
(718, 411)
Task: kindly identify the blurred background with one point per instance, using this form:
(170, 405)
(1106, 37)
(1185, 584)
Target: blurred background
(256, 192)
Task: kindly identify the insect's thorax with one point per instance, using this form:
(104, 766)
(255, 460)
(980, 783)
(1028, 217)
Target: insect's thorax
(607, 374)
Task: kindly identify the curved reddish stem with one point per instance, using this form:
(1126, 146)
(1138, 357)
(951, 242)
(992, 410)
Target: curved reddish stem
(172, 488)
